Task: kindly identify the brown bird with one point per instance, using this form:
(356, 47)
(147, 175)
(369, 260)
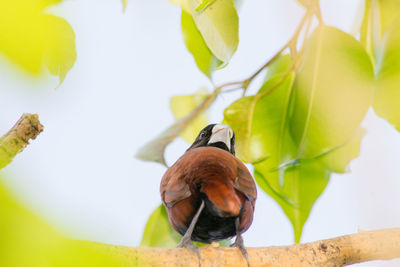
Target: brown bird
(209, 193)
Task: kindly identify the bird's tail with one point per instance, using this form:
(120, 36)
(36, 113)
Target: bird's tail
(221, 198)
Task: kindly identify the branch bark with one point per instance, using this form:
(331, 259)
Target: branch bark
(340, 251)
(27, 127)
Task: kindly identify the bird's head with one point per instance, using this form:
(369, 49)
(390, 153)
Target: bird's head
(216, 135)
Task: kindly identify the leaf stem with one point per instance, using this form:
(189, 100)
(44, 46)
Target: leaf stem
(244, 84)
(318, 13)
(291, 43)
(232, 89)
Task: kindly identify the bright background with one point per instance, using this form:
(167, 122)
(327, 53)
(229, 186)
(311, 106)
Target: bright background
(80, 173)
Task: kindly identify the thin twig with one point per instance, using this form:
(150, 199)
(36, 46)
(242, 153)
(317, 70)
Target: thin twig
(277, 83)
(230, 90)
(27, 127)
(318, 13)
(308, 27)
(293, 41)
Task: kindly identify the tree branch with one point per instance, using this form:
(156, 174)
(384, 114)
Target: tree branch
(27, 127)
(340, 251)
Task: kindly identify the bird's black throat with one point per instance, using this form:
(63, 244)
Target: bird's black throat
(221, 145)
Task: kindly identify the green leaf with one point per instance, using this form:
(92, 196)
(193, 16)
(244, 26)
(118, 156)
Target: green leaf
(154, 150)
(203, 57)
(339, 158)
(277, 68)
(387, 94)
(27, 241)
(182, 105)
(295, 188)
(158, 231)
(389, 10)
(260, 121)
(261, 125)
(333, 91)
(30, 37)
(239, 116)
(60, 55)
(205, 4)
(219, 26)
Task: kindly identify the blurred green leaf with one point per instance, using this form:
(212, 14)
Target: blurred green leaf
(28, 241)
(184, 4)
(158, 231)
(124, 4)
(387, 94)
(379, 15)
(219, 26)
(202, 55)
(182, 105)
(154, 150)
(333, 91)
(31, 37)
(260, 122)
(295, 188)
(389, 10)
(60, 55)
(370, 28)
(339, 158)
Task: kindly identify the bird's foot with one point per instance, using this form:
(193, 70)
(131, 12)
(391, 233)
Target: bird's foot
(186, 243)
(240, 245)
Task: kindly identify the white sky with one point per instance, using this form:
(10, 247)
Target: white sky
(80, 173)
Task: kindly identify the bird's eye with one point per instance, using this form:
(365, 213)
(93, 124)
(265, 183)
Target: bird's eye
(202, 134)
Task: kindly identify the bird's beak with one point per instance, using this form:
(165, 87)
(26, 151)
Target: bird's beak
(221, 133)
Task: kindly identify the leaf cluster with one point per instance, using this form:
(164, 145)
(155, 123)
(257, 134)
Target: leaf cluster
(304, 122)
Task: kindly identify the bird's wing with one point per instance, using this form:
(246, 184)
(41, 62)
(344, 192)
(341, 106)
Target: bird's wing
(173, 187)
(245, 183)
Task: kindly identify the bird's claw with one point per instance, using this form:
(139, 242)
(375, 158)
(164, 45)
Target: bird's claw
(240, 245)
(186, 243)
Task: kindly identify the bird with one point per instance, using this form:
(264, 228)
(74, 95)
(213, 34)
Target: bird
(209, 194)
